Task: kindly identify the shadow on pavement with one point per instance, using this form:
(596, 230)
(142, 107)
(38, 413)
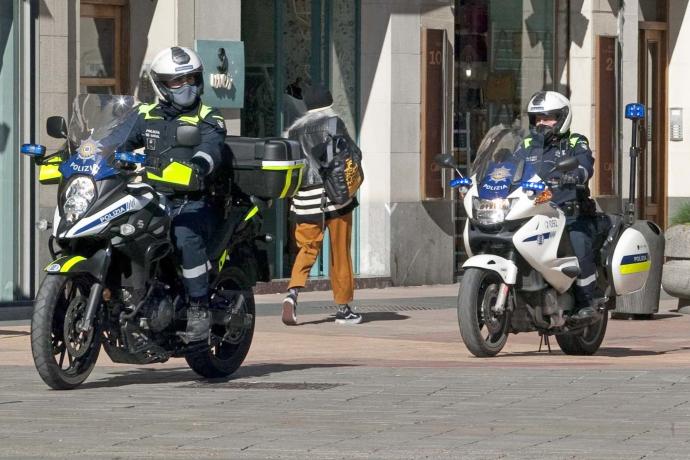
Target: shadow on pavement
(383, 316)
(17, 333)
(625, 352)
(651, 317)
(366, 318)
(142, 376)
(620, 352)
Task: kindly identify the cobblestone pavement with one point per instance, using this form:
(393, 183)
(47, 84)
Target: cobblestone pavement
(400, 385)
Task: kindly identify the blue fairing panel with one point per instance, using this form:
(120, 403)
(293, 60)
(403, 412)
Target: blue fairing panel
(498, 180)
(95, 166)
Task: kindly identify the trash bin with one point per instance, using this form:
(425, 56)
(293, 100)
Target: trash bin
(645, 302)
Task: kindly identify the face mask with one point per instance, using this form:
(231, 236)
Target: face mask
(185, 95)
(547, 132)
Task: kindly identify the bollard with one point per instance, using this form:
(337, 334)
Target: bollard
(645, 302)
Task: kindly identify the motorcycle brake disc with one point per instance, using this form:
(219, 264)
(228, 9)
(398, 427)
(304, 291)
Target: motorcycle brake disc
(76, 341)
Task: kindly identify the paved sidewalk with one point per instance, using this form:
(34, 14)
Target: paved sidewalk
(400, 385)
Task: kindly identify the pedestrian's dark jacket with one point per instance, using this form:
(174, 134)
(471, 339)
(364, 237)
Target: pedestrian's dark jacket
(312, 132)
(155, 130)
(540, 159)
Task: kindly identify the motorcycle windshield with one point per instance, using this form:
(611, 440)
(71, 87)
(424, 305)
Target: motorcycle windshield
(494, 165)
(497, 146)
(100, 124)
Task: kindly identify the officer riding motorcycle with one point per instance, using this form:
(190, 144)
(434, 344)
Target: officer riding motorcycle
(549, 142)
(177, 77)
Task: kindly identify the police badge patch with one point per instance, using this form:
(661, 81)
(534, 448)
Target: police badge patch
(150, 143)
(500, 173)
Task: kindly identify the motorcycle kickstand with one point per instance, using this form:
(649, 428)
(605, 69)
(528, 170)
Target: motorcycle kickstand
(544, 339)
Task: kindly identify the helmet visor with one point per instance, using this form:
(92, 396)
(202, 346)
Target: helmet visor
(178, 81)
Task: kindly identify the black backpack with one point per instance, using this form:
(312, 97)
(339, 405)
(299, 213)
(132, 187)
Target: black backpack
(341, 172)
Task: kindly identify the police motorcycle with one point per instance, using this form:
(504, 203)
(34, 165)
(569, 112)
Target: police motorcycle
(521, 267)
(114, 280)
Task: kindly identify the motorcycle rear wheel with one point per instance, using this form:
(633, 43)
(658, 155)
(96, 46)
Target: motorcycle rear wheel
(483, 333)
(49, 346)
(586, 343)
(224, 359)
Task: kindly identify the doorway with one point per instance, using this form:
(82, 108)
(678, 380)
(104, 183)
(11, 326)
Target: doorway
(103, 47)
(652, 176)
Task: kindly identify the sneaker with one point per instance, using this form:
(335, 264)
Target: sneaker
(290, 310)
(345, 315)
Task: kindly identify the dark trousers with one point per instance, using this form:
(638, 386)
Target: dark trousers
(581, 236)
(192, 226)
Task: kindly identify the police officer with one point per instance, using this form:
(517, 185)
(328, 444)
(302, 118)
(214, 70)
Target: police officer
(549, 142)
(177, 77)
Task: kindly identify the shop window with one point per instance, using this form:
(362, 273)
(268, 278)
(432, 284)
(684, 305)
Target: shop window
(504, 53)
(102, 45)
(289, 45)
(653, 10)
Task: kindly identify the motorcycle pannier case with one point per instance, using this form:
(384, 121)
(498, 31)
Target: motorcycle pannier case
(264, 167)
(630, 262)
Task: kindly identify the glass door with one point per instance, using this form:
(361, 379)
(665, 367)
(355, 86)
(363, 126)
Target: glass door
(652, 161)
(9, 156)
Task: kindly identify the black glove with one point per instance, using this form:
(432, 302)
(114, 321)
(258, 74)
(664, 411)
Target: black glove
(200, 166)
(199, 169)
(569, 179)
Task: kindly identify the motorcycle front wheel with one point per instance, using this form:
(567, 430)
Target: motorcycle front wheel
(483, 331)
(64, 356)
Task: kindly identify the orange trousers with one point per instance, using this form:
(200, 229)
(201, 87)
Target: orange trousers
(309, 240)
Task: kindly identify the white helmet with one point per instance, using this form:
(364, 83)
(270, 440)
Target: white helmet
(550, 103)
(177, 76)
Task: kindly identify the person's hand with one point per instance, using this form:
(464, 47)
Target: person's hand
(568, 179)
(199, 173)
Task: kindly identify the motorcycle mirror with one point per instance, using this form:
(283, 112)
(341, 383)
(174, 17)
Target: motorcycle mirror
(566, 165)
(188, 136)
(445, 160)
(56, 127)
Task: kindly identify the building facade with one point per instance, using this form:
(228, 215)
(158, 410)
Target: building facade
(412, 78)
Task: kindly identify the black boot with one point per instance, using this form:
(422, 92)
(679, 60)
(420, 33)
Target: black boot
(198, 321)
(584, 313)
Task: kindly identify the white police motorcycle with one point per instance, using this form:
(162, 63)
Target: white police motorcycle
(521, 267)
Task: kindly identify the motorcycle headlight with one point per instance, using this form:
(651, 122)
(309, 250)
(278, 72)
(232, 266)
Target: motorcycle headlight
(77, 198)
(490, 212)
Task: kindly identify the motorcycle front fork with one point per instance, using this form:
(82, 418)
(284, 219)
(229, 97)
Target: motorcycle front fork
(500, 305)
(96, 293)
(503, 290)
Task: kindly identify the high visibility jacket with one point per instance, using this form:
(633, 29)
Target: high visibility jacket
(540, 159)
(156, 127)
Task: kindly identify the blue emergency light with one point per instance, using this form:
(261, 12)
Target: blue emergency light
(34, 150)
(130, 157)
(635, 111)
(535, 186)
(461, 181)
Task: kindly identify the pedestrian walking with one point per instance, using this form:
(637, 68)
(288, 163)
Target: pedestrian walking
(325, 200)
